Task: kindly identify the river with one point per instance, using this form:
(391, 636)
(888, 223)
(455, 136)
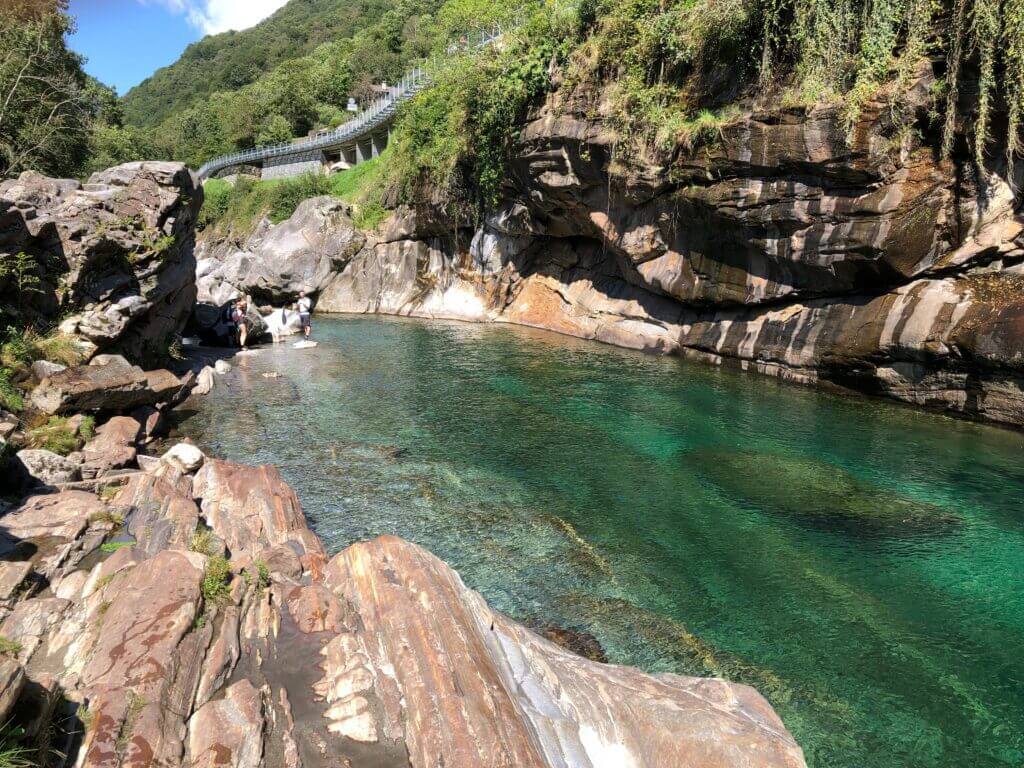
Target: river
(860, 563)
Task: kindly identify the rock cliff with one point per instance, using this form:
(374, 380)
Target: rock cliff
(782, 246)
(112, 258)
(161, 651)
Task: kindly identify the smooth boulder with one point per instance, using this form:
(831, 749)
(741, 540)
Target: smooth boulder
(110, 383)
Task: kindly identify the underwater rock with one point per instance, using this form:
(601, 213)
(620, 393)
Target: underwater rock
(818, 492)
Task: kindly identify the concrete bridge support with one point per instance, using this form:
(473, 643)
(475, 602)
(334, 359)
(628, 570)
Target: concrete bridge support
(293, 165)
(380, 143)
(364, 150)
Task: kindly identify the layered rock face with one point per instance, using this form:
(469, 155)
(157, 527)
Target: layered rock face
(781, 246)
(114, 257)
(160, 653)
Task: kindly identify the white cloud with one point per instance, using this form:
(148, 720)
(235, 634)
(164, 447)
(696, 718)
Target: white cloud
(213, 16)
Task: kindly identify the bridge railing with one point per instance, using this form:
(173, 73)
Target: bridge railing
(379, 112)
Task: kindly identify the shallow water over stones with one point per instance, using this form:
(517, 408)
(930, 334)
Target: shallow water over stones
(859, 563)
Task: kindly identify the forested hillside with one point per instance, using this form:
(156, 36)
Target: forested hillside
(231, 60)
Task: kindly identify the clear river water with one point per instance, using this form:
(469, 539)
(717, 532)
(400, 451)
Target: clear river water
(860, 563)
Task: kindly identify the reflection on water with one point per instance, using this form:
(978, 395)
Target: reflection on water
(858, 562)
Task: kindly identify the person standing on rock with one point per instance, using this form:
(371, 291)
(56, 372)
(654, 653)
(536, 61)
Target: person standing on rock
(305, 307)
(241, 323)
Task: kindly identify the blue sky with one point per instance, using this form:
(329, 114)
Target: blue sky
(125, 41)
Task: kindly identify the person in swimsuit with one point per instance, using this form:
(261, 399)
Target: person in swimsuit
(305, 307)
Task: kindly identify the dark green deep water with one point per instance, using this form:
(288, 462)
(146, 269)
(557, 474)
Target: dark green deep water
(860, 563)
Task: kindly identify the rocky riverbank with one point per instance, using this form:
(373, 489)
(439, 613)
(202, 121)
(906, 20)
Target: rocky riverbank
(184, 614)
(176, 610)
(780, 247)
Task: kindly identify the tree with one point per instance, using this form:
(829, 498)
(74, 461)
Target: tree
(277, 129)
(46, 108)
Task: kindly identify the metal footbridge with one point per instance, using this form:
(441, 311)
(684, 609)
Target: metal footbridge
(359, 139)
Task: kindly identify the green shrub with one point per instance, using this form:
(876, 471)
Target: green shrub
(12, 753)
(109, 547)
(202, 542)
(9, 647)
(57, 435)
(87, 428)
(216, 199)
(287, 194)
(10, 396)
(21, 348)
(216, 582)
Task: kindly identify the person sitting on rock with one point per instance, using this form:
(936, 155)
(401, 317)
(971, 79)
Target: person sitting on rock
(305, 307)
(241, 323)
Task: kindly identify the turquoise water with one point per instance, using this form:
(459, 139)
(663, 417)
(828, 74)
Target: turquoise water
(860, 563)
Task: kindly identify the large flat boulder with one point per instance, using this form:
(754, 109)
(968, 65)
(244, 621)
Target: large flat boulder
(108, 384)
(137, 660)
(422, 658)
(52, 514)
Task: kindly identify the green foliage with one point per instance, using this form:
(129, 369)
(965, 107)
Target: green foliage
(9, 647)
(19, 275)
(12, 753)
(56, 434)
(111, 145)
(195, 112)
(237, 208)
(202, 542)
(109, 547)
(216, 582)
(364, 187)
(232, 60)
(288, 193)
(46, 106)
(461, 128)
(10, 396)
(21, 348)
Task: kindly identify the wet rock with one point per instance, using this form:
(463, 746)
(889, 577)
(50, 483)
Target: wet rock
(112, 384)
(582, 643)
(46, 467)
(252, 508)
(229, 731)
(204, 381)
